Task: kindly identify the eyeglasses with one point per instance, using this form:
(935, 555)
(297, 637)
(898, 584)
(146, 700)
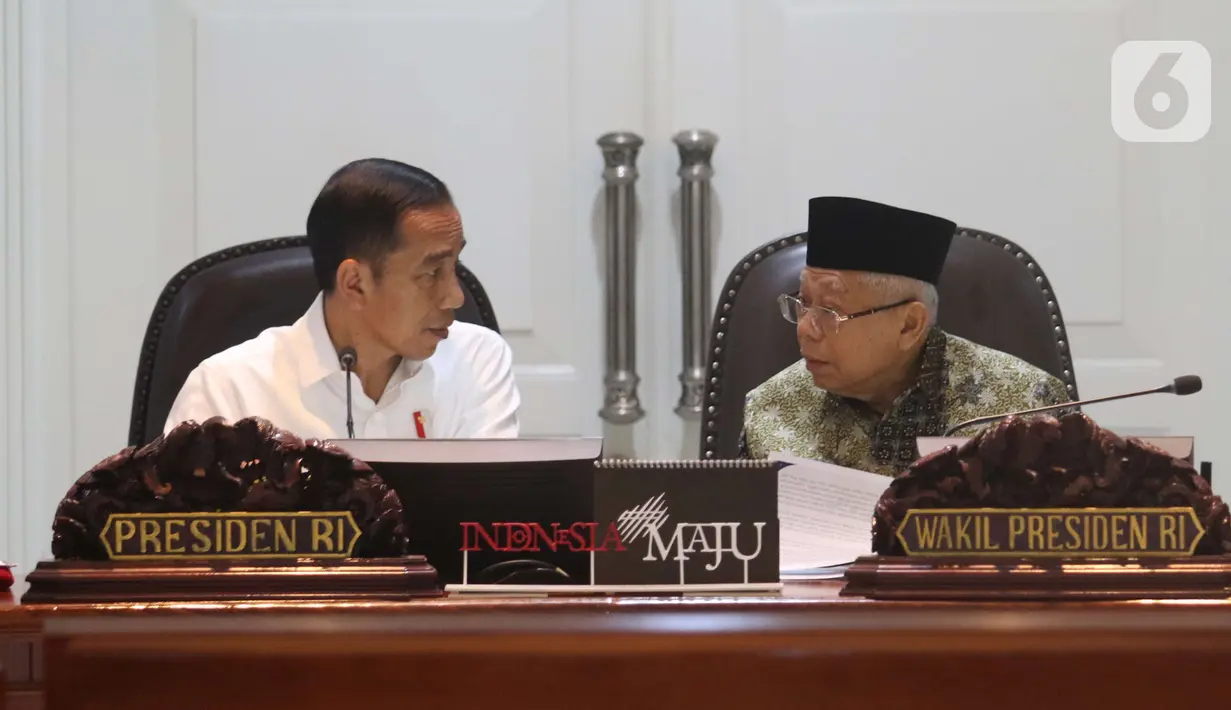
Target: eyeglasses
(826, 320)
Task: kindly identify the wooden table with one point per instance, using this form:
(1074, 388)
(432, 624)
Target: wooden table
(805, 648)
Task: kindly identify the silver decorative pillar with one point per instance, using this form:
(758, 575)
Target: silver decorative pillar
(696, 151)
(621, 404)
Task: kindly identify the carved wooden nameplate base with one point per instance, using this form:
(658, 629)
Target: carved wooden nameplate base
(1038, 579)
(354, 579)
(230, 512)
(1044, 554)
(231, 556)
(1043, 508)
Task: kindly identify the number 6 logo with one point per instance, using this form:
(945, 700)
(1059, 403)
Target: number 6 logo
(1160, 91)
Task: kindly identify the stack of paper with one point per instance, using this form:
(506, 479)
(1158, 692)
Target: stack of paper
(825, 516)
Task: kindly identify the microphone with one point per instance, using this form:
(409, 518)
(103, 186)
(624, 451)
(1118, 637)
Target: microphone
(1182, 385)
(347, 358)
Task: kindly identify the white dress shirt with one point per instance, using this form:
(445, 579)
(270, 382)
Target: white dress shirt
(290, 375)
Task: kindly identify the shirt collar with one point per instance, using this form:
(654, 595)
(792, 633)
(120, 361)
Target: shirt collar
(315, 357)
(933, 365)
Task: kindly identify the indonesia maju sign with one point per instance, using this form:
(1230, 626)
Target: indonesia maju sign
(650, 524)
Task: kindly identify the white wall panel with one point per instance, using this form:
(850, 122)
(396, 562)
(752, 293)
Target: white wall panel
(127, 191)
(10, 268)
(38, 325)
(996, 119)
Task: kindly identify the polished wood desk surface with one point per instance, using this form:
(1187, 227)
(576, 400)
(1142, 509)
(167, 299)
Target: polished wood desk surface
(814, 608)
(802, 648)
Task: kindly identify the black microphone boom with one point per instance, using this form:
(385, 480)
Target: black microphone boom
(1185, 384)
(347, 357)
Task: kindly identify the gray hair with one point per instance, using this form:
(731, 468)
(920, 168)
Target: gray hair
(897, 288)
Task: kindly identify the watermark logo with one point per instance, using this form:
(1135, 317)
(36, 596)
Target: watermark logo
(1161, 91)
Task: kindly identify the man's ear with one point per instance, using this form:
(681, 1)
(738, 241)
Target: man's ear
(353, 282)
(914, 325)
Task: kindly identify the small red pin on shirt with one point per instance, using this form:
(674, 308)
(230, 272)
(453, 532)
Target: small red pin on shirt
(419, 425)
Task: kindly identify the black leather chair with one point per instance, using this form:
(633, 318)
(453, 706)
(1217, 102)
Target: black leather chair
(226, 298)
(991, 292)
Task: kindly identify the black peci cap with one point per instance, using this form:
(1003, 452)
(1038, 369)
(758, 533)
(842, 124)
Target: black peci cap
(850, 234)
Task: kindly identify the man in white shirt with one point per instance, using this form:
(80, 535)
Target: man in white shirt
(385, 239)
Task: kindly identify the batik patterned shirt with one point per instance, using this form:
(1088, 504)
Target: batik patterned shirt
(958, 380)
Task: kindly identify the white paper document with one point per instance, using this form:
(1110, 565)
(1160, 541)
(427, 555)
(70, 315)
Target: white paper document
(824, 513)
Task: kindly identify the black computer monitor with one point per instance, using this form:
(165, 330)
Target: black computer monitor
(445, 483)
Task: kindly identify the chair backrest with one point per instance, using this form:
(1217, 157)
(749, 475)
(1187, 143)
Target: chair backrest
(991, 292)
(226, 298)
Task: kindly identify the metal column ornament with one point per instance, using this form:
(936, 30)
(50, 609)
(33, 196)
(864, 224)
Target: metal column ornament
(696, 169)
(621, 404)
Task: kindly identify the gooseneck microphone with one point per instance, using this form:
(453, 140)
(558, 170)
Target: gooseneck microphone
(347, 358)
(1182, 385)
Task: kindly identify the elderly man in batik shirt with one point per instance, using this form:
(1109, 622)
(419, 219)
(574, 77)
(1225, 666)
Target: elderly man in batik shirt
(875, 371)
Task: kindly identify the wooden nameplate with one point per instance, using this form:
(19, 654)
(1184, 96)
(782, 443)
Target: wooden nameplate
(354, 579)
(1038, 579)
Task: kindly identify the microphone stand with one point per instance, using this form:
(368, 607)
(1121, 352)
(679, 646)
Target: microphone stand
(347, 358)
(1052, 407)
(350, 418)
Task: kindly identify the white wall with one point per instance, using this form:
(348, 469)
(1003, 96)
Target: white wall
(1184, 274)
(139, 134)
(37, 385)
